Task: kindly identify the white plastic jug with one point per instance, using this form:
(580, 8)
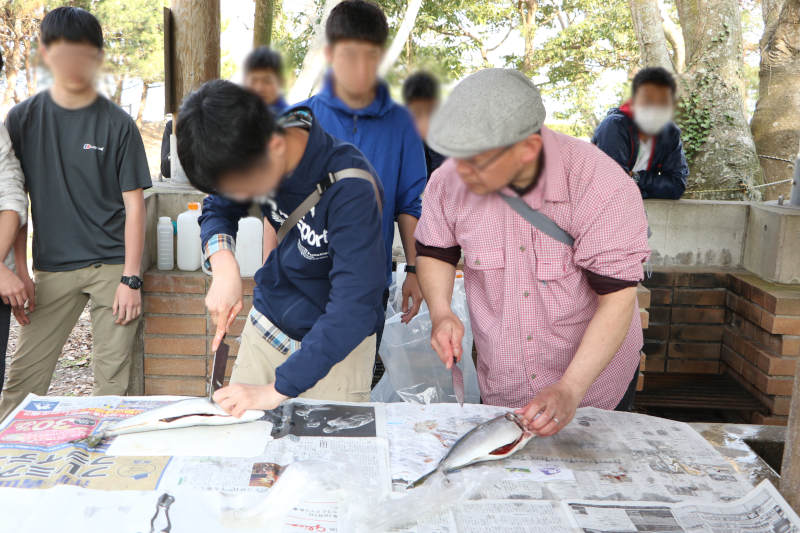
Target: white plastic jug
(164, 244)
(189, 238)
(249, 244)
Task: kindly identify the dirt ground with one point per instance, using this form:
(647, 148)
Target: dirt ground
(73, 375)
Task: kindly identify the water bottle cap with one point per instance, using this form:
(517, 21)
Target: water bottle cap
(165, 220)
(193, 206)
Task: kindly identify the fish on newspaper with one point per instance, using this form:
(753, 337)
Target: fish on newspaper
(496, 439)
(179, 414)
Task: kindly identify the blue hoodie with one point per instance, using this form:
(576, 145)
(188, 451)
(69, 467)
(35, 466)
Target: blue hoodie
(384, 132)
(323, 283)
(666, 172)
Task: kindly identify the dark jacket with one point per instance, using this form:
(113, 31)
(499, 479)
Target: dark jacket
(666, 173)
(323, 283)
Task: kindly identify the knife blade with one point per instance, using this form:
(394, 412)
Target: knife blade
(218, 368)
(458, 383)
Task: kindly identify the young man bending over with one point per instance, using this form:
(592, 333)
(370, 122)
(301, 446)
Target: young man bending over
(316, 303)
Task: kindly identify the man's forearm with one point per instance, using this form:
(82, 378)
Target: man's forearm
(134, 231)
(9, 227)
(602, 338)
(407, 225)
(223, 263)
(21, 252)
(436, 280)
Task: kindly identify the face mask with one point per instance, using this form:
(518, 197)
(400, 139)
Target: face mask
(652, 119)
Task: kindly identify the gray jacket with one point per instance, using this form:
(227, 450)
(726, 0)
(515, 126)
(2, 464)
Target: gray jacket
(12, 186)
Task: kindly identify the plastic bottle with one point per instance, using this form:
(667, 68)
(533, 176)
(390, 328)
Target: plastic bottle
(164, 244)
(249, 243)
(189, 238)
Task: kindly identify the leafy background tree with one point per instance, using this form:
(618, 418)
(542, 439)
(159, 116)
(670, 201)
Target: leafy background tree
(582, 53)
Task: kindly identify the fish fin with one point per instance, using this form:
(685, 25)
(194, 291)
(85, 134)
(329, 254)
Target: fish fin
(421, 480)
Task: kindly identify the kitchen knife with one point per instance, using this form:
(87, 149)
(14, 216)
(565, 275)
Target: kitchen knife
(458, 383)
(218, 369)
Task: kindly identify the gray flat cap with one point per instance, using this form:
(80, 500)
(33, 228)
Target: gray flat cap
(488, 109)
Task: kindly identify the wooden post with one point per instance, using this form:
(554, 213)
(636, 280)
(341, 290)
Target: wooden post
(790, 469)
(196, 30)
(262, 22)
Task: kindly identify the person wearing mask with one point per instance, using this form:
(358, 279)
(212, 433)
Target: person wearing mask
(641, 136)
(553, 237)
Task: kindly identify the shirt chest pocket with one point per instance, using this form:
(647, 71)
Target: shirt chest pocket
(558, 280)
(485, 270)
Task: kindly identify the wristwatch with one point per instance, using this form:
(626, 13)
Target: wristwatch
(411, 269)
(134, 282)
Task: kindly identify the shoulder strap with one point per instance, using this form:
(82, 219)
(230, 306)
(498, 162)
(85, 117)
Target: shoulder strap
(538, 219)
(313, 199)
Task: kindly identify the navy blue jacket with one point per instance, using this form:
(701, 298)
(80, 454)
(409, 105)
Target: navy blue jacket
(384, 132)
(666, 173)
(323, 284)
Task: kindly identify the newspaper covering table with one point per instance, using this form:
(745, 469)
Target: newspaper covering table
(605, 472)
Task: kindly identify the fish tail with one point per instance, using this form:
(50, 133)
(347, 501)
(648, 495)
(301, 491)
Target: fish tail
(421, 480)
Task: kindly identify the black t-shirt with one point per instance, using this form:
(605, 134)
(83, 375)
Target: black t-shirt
(77, 163)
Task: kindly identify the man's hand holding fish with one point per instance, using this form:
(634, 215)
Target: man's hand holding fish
(237, 398)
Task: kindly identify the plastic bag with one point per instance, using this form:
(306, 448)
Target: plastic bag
(414, 373)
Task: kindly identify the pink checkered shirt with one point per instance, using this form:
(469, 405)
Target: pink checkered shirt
(529, 300)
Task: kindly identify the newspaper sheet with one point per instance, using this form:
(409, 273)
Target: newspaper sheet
(77, 510)
(762, 510)
(364, 461)
(601, 455)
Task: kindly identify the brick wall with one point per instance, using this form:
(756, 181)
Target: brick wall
(761, 341)
(178, 332)
(726, 322)
(687, 315)
(695, 321)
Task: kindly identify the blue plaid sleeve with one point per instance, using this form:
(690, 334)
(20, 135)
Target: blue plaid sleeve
(216, 243)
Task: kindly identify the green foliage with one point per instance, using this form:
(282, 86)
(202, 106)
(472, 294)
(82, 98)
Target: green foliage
(134, 35)
(694, 116)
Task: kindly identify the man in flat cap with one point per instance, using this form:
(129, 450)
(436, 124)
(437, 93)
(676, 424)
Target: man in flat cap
(553, 238)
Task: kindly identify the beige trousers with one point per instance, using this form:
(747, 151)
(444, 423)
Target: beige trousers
(60, 300)
(349, 380)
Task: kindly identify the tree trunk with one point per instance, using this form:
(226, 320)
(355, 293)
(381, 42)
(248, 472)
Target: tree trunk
(527, 12)
(142, 102)
(674, 36)
(776, 121)
(262, 23)
(117, 96)
(716, 135)
(196, 32)
(648, 26)
(314, 61)
(401, 37)
(13, 65)
(30, 69)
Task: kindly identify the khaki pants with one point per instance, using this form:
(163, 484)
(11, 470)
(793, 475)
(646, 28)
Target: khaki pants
(349, 380)
(60, 300)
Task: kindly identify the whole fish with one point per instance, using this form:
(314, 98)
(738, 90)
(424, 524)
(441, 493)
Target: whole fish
(496, 439)
(179, 414)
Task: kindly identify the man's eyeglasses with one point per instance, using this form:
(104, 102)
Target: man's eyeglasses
(480, 167)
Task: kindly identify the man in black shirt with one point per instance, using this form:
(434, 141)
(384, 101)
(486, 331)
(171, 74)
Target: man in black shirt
(421, 96)
(85, 170)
